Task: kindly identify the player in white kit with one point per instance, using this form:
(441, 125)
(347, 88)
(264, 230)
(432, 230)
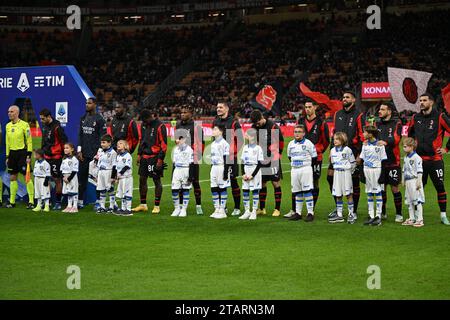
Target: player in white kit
(301, 152)
(42, 176)
(344, 164)
(124, 174)
(69, 170)
(183, 174)
(373, 155)
(412, 179)
(106, 161)
(252, 158)
(220, 175)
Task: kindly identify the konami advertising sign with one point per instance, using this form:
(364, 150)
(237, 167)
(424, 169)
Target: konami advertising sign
(375, 90)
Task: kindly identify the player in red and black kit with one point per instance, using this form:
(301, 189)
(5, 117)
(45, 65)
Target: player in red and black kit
(428, 128)
(53, 140)
(151, 153)
(193, 132)
(390, 135)
(349, 120)
(317, 133)
(271, 141)
(123, 127)
(234, 136)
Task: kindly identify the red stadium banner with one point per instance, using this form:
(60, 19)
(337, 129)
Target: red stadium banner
(375, 90)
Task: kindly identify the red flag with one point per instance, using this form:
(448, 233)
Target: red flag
(333, 105)
(446, 97)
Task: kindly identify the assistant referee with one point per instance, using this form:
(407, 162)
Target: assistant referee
(19, 147)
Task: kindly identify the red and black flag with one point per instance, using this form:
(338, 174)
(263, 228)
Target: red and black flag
(268, 99)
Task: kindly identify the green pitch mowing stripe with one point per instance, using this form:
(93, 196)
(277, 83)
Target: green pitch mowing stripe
(159, 257)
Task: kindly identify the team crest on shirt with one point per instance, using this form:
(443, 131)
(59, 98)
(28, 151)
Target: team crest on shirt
(377, 150)
(411, 162)
(344, 156)
(12, 129)
(303, 147)
(124, 160)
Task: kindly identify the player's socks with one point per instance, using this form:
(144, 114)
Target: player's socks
(262, 198)
(309, 201)
(370, 205)
(379, 200)
(419, 212)
(398, 203)
(350, 206)
(223, 198)
(298, 202)
(128, 202)
(102, 199)
(14, 186)
(112, 200)
(69, 201)
(75, 201)
(315, 194)
(278, 195)
(411, 212)
(215, 197)
(198, 195)
(384, 196)
(339, 207)
(186, 196)
(176, 198)
(236, 192)
(30, 191)
(442, 201)
(246, 198)
(255, 199)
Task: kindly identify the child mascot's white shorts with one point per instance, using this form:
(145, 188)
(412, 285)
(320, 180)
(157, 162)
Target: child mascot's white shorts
(71, 188)
(180, 178)
(217, 177)
(342, 183)
(255, 183)
(412, 195)
(40, 191)
(372, 175)
(104, 180)
(125, 188)
(302, 179)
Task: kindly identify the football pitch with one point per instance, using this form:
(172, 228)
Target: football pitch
(161, 257)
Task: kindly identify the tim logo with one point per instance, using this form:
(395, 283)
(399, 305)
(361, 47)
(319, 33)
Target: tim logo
(267, 97)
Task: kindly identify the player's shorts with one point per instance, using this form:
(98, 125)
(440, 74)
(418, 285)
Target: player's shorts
(272, 173)
(180, 178)
(125, 188)
(40, 191)
(434, 169)
(302, 179)
(216, 177)
(55, 166)
(147, 168)
(372, 175)
(317, 170)
(412, 195)
(17, 162)
(393, 175)
(342, 183)
(71, 188)
(104, 180)
(255, 183)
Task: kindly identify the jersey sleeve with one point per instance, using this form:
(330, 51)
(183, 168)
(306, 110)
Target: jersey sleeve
(47, 170)
(411, 131)
(162, 137)
(226, 150)
(75, 165)
(191, 155)
(289, 149)
(361, 155)
(351, 157)
(260, 154)
(313, 150)
(444, 121)
(419, 168)
(383, 153)
(28, 138)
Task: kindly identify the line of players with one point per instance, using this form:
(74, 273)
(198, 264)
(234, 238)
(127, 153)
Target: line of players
(348, 120)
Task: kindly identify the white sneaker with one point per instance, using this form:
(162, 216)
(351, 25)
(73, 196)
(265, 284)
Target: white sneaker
(245, 216)
(199, 209)
(176, 212)
(289, 214)
(183, 213)
(214, 214)
(236, 212)
(253, 215)
(221, 214)
(398, 218)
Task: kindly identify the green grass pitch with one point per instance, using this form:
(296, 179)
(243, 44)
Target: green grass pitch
(159, 257)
